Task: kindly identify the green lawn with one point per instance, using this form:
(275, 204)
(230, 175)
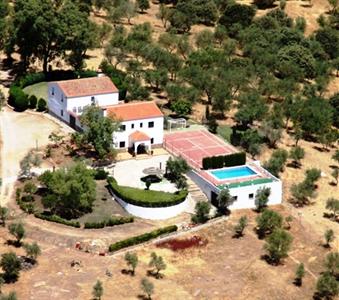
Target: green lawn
(103, 207)
(40, 90)
(225, 132)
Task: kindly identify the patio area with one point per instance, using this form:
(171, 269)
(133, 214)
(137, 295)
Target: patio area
(130, 172)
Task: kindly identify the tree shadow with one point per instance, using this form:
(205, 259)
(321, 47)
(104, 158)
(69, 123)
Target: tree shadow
(237, 236)
(269, 260)
(321, 149)
(293, 165)
(143, 297)
(127, 272)
(331, 216)
(297, 282)
(332, 183)
(13, 243)
(152, 273)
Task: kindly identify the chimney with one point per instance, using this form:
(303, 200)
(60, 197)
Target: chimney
(104, 112)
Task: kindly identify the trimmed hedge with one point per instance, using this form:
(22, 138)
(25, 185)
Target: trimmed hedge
(146, 198)
(57, 219)
(113, 221)
(142, 238)
(231, 160)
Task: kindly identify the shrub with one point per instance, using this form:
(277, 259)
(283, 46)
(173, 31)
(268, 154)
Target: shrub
(146, 198)
(32, 102)
(17, 98)
(100, 174)
(142, 238)
(109, 222)
(202, 209)
(42, 105)
(57, 219)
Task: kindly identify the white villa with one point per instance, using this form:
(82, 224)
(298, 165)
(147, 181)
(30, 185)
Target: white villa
(141, 122)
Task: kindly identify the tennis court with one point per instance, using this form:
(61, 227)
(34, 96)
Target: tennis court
(193, 146)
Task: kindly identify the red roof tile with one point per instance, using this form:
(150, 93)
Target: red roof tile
(138, 136)
(134, 111)
(87, 86)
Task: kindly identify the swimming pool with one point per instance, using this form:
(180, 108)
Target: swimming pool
(230, 173)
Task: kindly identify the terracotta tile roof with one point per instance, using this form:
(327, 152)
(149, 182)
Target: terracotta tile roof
(87, 86)
(134, 111)
(138, 136)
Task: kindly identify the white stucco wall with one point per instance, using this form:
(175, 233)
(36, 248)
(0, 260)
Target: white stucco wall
(242, 193)
(100, 100)
(157, 132)
(153, 213)
(55, 103)
(243, 200)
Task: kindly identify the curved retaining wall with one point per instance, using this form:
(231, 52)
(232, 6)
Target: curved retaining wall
(153, 213)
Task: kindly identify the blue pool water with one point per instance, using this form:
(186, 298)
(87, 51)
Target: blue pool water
(231, 173)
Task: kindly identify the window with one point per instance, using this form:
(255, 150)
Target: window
(152, 140)
(122, 145)
(122, 127)
(79, 109)
(52, 91)
(62, 113)
(251, 196)
(132, 126)
(150, 124)
(140, 125)
(74, 109)
(235, 198)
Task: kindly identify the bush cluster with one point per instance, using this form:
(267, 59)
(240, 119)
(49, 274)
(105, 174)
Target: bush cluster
(100, 174)
(142, 238)
(146, 198)
(109, 222)
(27, 207)
(231, 160)
(57, 219)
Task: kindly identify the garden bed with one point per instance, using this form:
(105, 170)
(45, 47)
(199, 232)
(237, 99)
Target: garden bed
(147, 198)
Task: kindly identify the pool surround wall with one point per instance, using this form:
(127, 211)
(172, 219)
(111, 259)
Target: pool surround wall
(242, 193)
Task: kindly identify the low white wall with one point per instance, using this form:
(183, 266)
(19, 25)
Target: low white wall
(153, 213)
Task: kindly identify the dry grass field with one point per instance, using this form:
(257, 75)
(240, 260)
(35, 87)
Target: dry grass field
(225, 268)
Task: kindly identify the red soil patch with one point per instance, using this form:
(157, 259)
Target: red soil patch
(182, 244)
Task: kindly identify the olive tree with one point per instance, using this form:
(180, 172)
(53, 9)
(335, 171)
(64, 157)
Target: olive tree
(277, 245)
(11, 266)
(131, 261)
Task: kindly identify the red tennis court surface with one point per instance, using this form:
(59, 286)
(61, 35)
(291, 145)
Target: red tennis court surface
(193, 146)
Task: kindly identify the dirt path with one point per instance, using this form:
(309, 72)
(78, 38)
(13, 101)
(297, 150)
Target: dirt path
(20, 133)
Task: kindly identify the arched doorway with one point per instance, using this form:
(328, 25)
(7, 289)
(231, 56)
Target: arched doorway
(141, 149)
